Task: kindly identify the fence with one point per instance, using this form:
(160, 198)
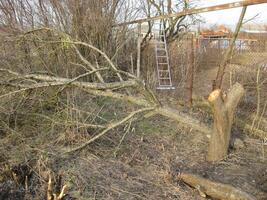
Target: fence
(212, 50)
(208, 53)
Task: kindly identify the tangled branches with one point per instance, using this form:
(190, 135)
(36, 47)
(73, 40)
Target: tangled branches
(95, 81)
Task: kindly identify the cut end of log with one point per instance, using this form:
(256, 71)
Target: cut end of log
(214, 189)
(214, 95)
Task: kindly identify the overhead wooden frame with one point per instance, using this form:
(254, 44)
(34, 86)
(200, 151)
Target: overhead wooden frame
(196, 11)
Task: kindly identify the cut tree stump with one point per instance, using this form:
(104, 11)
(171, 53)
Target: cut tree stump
(214, 189)
(223, 110)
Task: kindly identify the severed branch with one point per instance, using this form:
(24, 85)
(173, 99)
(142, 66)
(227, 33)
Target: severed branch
(103, 89)
(77, 123)
(94, 86)
(214, 189)
(53, 196)
(57, 81)
(87, 63)
(183, 119)
(113, 67)
(110, 127)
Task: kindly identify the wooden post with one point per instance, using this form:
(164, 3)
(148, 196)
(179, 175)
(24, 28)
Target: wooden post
(139, 41)
(190, 72)
(132, 64)
(223, 115)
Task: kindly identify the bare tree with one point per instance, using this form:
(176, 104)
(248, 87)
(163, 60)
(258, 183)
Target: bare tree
(172, 25)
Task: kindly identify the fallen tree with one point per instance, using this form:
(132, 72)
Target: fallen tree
(107, 90)
(118, 89)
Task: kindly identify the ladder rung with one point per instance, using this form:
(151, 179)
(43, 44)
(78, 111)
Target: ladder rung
(160, 59)
(163, 70)
(164, 73)
(163, 63)
(161, 49)
(167, 87)
(166, 76)
(165, 80)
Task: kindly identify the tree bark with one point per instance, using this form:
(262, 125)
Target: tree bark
(215, 189)
(223, 114)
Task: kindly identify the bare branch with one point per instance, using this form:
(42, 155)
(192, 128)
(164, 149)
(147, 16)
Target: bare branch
(110, 127)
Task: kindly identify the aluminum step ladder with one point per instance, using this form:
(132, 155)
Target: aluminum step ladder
(162, 61)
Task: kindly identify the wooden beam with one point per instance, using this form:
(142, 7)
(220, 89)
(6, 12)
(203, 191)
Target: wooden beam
(190, 71)
(196, 11)
(139, 51)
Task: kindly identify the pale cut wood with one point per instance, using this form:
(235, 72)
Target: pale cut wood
(223, 115)
(215, 189)
(50, 195)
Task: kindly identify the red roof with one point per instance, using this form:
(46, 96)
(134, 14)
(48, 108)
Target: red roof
(220, 31)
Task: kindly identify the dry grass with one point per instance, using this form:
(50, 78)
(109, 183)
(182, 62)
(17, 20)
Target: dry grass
(144, 166)
(139, 160)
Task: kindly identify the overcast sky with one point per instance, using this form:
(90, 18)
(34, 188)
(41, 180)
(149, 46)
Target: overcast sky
(230, 16)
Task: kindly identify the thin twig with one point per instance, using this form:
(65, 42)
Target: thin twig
(124, 135)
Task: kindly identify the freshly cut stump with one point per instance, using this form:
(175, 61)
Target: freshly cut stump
(223, 114)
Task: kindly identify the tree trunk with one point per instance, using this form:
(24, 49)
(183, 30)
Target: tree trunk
(223, 113)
